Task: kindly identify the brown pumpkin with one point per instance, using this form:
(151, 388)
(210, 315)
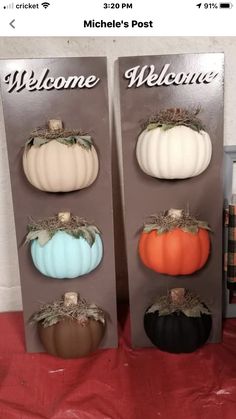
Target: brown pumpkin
(70, 327)
(70, 339)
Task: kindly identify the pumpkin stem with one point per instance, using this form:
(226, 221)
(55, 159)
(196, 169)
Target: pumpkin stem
(55, 125)
(177, 295)
(70, 298)
(175, 213)
(64, 217)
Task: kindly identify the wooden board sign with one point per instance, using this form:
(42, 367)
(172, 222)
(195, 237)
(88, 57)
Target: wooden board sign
(149, 84)
(73, 90)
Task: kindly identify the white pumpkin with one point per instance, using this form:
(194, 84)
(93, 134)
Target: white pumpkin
(57, 167)
(176, 153)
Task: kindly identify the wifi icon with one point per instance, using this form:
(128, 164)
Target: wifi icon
(45, 4)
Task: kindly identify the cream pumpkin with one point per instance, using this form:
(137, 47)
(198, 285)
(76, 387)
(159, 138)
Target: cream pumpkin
(55, 166)
(174, 151)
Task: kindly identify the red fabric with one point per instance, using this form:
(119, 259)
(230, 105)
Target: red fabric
(116, 384)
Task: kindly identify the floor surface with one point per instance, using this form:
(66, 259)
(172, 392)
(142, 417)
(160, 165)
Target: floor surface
(116, 384)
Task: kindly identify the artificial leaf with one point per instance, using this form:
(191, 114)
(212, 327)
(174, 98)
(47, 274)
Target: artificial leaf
(193, 127)
(57, 311)
(205, 310)
(86, 233)
(190, 229)
(96, 313)
(196, 312)
(51, 321)
(95, 229)
(161, 230)
(38, 141)
(155, 307)
(43, 237)
(88, 236)
(38, 316)
(165, 312)
(149, 227)
(152, 126)
(32, 235)
(76, 233)
(85, 141)
(66, 141)
(29, 142)
(165, 222)
(204, 225)
(166, 127)
(191, 306)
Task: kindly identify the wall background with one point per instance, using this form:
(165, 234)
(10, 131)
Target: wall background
(10, 294)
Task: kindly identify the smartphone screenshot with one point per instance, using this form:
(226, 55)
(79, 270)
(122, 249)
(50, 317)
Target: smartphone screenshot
(117, 209)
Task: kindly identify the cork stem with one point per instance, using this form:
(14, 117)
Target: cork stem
(71, 298)
(177, 295)
(64, 217)
(176, 213)
(55, 125)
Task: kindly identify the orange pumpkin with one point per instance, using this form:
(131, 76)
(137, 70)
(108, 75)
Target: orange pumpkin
(179, 250)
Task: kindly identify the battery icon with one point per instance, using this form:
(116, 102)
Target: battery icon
(226, 5)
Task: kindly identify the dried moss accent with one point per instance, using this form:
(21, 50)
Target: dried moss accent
(173, 117)
(52, 313)
(41, 136)
(44, 229)
(191, 306)
(164, 222)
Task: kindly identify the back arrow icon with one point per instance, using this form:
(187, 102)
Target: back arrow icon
(12, 23)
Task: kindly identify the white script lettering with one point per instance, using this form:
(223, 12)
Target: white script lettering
(19, 80)
(138, 76)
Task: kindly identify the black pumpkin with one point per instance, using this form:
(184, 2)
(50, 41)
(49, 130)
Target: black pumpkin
(181, 324)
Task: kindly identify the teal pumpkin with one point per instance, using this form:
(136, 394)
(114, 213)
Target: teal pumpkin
(66, 256)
